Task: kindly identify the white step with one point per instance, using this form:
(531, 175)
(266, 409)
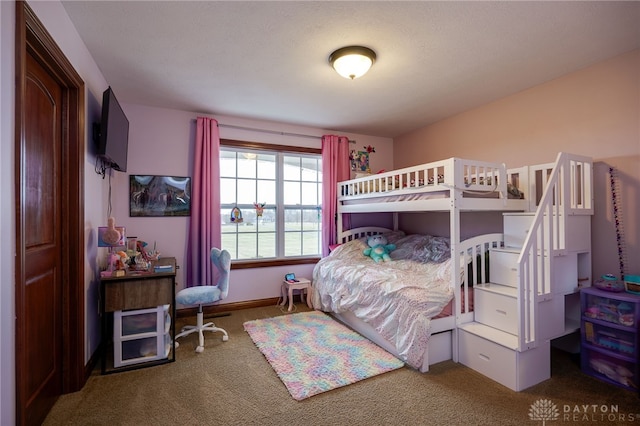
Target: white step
(496, 306)
(500, 337)
(516, 228)
(505, 290)
(503, 266)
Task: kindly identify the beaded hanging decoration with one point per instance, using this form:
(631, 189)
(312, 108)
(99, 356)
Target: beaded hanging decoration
(613, 179)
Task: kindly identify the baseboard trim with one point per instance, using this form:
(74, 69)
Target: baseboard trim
(93, 362)
(235, 306)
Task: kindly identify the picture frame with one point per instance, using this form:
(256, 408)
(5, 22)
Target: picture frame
(154, 195)
(359, 161)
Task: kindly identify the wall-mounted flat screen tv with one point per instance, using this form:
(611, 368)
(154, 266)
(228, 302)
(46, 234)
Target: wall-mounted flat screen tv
(113, 139)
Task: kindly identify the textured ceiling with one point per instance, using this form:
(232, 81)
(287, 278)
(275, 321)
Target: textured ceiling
(268, 60)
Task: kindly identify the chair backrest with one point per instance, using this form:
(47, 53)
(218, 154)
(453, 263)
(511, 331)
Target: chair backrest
(222, 261)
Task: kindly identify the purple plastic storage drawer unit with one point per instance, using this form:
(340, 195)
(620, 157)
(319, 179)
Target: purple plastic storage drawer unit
(609, 331)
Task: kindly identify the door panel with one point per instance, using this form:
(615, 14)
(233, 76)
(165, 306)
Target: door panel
(42, 303)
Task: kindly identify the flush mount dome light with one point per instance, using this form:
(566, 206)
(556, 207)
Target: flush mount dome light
(352, 61)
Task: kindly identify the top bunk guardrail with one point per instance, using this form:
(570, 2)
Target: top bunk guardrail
(440, 179)
(466, 175)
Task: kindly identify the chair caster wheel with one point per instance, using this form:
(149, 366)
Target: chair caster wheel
(225, 338)
(200, 349)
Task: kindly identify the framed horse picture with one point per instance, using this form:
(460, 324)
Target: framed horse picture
(159, 195)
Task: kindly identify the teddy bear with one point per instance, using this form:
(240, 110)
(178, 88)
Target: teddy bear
(379, 248)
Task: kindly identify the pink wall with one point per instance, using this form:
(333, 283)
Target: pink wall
(593, 112)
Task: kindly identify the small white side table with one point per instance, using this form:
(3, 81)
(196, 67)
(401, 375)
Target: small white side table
(287, 289)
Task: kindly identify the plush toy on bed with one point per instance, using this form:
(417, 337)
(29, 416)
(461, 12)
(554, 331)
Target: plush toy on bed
(379, 248)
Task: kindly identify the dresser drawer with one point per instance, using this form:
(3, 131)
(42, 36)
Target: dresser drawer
(503, 266)
(488, 358)
(496, 310)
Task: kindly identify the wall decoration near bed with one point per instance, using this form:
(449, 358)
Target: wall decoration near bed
(159, 195)
(360, 159)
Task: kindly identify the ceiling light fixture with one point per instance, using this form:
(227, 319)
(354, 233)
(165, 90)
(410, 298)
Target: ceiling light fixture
(352, 61)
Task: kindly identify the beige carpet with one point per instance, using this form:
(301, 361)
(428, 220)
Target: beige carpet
(231, 383)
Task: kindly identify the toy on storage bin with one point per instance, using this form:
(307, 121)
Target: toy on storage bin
(609, 282)
(632, 283)
(625, 314)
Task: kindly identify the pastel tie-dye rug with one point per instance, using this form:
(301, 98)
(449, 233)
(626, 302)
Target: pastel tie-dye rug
(313, 353)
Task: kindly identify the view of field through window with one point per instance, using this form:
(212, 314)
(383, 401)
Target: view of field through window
(270, 203)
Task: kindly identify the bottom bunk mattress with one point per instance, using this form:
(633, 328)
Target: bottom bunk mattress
(398, 298)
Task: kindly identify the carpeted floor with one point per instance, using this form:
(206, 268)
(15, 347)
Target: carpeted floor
(231, 383)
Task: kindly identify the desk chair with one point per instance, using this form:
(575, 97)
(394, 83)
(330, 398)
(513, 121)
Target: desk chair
(204, 295)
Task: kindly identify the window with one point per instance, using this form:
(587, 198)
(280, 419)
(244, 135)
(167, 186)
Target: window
(288, 184)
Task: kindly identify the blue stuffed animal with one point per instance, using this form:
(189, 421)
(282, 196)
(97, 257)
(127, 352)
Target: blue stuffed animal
(379, 248)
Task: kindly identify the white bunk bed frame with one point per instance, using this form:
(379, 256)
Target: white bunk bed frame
(552, 190)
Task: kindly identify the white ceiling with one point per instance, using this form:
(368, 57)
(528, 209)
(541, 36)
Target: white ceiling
(268, 60)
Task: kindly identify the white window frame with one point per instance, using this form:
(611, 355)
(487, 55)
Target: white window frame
(280, 152)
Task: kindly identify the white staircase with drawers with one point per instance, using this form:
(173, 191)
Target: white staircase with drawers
(532, 296)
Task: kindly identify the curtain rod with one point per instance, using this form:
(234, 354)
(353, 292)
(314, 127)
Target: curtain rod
(273, 132)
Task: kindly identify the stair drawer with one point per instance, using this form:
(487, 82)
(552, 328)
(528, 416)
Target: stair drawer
(504, 267)
(513, 369)
(496, 310)
(488, 358)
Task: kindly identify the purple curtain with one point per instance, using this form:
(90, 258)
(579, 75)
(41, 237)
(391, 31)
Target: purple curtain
(335, 168)
(204, 226)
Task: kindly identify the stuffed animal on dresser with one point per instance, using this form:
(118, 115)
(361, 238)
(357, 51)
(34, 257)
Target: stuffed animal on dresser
(379, 248)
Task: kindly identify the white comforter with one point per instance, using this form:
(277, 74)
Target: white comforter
(397, 298)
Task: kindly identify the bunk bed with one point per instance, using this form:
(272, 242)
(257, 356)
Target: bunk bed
(454, 186)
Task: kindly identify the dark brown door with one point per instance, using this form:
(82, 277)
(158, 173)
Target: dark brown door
(42, 238)
(49, 222)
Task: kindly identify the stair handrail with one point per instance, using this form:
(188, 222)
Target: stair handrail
(568, 190)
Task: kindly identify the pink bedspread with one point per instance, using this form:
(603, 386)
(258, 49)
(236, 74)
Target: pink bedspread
(448, 310)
